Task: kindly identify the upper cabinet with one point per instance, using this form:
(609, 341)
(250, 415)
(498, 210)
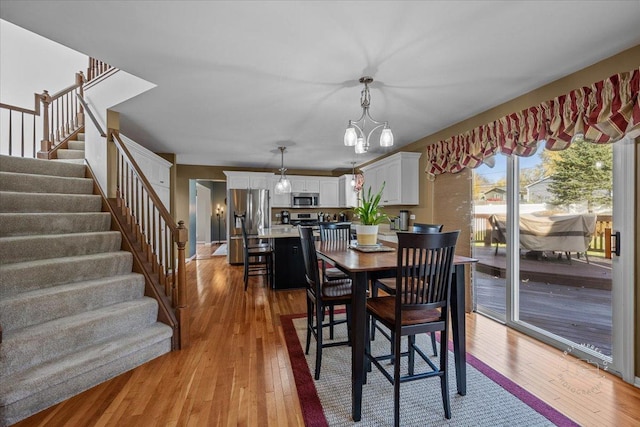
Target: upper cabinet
(257, 180)
(279, 200)
(400, 174)
(305, 184)
(347, 197)
(329, 192)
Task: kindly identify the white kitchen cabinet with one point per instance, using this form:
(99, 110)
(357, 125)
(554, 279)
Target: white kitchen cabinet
(347, 198)
(400, 174)
(304, 184)
(257, 180)
(279, 200)
(328, 192)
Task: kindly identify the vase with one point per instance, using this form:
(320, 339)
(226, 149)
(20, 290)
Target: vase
(367, 234)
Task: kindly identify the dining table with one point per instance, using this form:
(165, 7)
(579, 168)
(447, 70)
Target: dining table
(363, 266)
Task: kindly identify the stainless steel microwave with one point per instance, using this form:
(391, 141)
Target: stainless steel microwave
(305, 200)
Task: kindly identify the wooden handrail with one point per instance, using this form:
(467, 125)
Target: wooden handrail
(157, 233)
(62, 115)
(91, 115)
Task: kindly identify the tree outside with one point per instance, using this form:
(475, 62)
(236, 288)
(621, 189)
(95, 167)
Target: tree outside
(582, 174)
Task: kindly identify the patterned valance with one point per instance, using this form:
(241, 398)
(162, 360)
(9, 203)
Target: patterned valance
(602, 113)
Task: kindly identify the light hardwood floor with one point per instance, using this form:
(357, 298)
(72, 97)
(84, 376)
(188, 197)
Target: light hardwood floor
(237, 371)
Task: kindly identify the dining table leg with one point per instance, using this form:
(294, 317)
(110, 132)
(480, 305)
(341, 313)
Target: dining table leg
(457, 304)
(358, 328)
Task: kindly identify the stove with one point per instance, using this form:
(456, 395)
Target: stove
(304, 219)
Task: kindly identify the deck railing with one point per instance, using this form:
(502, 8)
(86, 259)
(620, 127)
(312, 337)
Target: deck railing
(482, 231)
(159, 239)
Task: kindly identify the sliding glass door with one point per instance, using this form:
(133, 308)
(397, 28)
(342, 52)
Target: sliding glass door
(545, 263)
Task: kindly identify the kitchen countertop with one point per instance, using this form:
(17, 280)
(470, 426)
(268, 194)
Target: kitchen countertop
(278, 232)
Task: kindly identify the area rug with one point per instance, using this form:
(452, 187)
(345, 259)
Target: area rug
(491, 399)
(222, 250)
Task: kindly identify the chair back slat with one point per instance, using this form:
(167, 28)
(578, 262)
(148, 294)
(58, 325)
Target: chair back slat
(310, 259)
(425, 267)
(331, 231)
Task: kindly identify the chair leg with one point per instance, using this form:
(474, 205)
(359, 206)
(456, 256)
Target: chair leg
(310, 307)
(246, 273)
(433, 343)
(396, 385)
(444, 382)
(411, 342)
(393, 352)
(319, 317)
(331, 312)
(374, 293)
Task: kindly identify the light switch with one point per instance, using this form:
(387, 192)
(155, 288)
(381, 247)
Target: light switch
(412, 216)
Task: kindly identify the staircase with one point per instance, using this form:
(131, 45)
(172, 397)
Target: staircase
(74, 153)
(72, 312)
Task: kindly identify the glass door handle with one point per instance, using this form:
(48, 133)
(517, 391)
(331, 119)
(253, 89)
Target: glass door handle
(615, 243)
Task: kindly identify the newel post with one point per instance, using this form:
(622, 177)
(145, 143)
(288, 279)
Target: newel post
(80, 80)
(45, 143)
(182, 309)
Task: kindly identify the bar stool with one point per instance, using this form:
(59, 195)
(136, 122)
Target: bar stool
(258, 260)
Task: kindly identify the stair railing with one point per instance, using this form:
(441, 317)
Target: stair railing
(159, 240)
(54, 120)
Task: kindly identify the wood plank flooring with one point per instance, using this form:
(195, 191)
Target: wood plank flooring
(237, 372)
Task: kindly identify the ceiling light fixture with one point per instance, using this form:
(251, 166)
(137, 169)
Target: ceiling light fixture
(355, 136)
(283, 185)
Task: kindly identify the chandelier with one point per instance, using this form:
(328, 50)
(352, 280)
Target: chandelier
(283, 185)
(355, 135)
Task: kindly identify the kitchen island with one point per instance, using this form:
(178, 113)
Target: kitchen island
(288, 270)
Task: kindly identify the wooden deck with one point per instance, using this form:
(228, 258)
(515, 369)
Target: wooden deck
(571, 299)
(549, 267)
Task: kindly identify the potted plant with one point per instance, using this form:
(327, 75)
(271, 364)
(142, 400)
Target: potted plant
(370, 216)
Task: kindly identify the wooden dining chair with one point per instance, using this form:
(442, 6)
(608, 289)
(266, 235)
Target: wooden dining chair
(258, 258)
(420, 305)
(322, 294)
(389, 285)
(334, 232)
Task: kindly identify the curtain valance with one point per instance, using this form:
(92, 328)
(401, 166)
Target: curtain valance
(601, 113)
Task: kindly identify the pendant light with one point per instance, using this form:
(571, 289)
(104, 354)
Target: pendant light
(283, 185)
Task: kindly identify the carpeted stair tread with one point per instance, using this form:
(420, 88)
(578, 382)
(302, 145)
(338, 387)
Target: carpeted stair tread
(40, 274)
(73, 313)
(80, 136)
(33, 345)
(76, 145)
(43, 386)
(75, 161)
(31, 248)
(36, 202)
(40, 167)
(20, 224)
(33, 183)
(43, 305)
(65, 153)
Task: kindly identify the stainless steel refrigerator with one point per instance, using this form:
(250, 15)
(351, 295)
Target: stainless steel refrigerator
(254, 206)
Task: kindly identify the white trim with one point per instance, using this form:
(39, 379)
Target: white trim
(622, 298)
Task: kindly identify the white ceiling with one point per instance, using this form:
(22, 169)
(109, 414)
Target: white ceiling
(237, 79)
